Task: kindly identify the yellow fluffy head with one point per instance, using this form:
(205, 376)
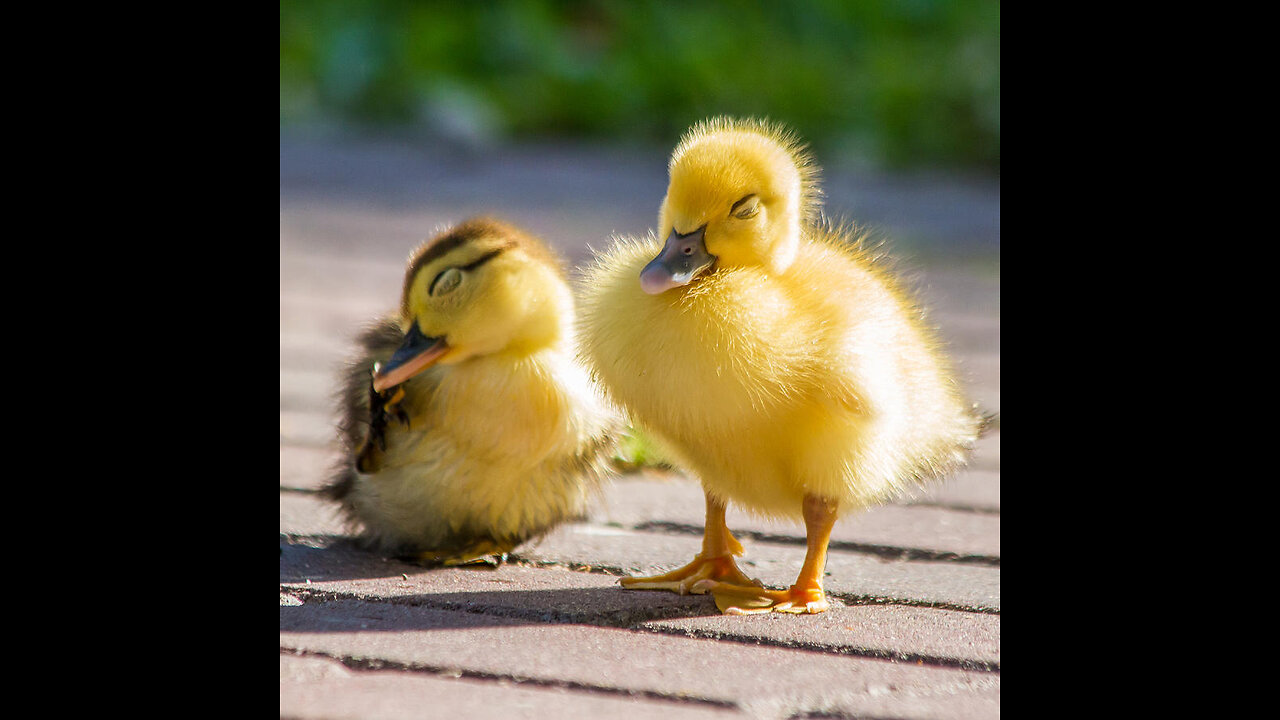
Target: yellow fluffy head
(751, 183)
(486, 287)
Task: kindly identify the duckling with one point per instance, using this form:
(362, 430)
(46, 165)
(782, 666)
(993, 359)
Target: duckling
(771, 353)
(469, 427)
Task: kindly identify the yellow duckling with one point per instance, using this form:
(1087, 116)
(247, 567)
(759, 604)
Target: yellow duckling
(770, 354)
(468, 424)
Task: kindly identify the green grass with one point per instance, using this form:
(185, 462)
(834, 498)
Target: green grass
(636, 452)
(898, 83)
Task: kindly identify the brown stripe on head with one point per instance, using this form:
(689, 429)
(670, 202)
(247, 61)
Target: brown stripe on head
(494, 236)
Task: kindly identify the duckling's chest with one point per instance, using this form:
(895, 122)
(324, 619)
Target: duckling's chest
(731, 353)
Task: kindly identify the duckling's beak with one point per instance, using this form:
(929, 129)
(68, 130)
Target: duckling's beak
(417, 353)
(682, 259)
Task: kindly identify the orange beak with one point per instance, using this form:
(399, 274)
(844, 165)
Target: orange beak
(417, 353)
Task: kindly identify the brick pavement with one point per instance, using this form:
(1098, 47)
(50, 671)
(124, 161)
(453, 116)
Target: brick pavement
(914, 631)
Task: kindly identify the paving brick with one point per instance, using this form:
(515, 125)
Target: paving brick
(962, 639)
(361, 194)
(307, 428)
(974, 489)
(749, 677)
(308, 560)
(979, 371)
(335, 315)
(305, 468)
(307, 390)
(369, 279)
(854, 575)
(971, 290)
(986, 453)
(554, 594)
(307, 514)
(986, 397)
(366, 239)
(638, 502)
(548, 593)
(965, 332)
(311, 351)
(338, 322)
(848, 573)
(318, 687)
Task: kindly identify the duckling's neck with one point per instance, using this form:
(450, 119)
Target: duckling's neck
(782, 253)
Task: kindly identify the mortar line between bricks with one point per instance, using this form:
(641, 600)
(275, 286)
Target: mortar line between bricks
(639, 626)
(852, 599)
(975, 509)
(828, 649)
(369, 664)
(893, 552)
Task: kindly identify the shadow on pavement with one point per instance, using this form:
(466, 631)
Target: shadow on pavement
(341, 559)
(607, 606)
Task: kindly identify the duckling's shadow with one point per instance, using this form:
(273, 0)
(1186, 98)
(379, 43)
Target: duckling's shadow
(599, 606)
(336, 558)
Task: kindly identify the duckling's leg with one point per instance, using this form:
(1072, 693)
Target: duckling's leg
(806, 595)
(715, 562)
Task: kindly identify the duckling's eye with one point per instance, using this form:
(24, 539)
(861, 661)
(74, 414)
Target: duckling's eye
(446, 282)
(745, 208)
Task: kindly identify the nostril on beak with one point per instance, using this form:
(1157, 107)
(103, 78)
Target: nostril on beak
(688, 250)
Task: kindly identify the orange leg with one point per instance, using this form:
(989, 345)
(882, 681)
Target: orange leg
(715, 562)
(806, 595)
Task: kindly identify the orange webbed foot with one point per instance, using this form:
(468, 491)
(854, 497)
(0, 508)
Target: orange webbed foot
(685, 579)
(739, 599)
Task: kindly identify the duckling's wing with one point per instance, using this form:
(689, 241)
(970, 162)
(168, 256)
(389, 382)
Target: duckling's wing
(377, 343)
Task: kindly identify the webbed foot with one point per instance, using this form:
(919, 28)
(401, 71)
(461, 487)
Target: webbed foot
(738, 599)
(684, 580)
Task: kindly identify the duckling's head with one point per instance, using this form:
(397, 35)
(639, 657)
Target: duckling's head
(739, 193)
(480, 288)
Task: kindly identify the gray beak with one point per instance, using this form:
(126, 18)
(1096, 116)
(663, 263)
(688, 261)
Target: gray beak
(682, 259)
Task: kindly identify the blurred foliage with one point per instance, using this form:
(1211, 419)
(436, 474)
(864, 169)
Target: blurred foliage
(903, 83)
(636, 451)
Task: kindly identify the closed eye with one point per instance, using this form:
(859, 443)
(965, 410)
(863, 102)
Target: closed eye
(450, 278)
(746, 207)
(445, 282)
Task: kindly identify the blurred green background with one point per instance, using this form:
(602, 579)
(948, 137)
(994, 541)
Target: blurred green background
(891, 84)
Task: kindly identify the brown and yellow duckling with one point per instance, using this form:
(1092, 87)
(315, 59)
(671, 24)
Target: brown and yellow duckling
(468, 425)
